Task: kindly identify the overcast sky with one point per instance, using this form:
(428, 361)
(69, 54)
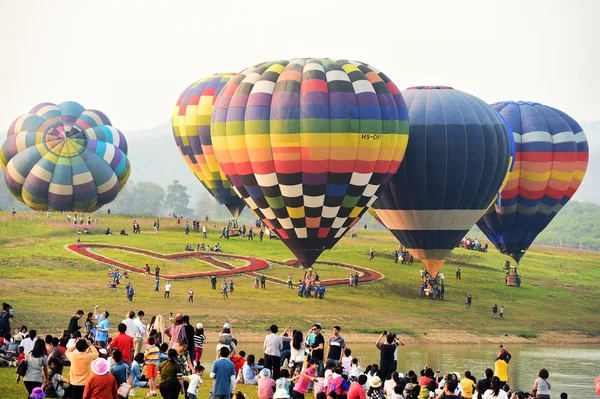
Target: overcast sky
(132, 59)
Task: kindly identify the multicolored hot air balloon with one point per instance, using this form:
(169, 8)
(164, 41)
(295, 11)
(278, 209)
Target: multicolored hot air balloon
(456, 160)
(551, 160)
(191, 129)
(64, 157)
(308, 144)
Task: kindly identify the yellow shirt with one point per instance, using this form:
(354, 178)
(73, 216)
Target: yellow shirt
(501, 370)
(81, 365)
(467, 385)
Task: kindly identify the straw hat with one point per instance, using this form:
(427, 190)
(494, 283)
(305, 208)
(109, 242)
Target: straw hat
(375, 382)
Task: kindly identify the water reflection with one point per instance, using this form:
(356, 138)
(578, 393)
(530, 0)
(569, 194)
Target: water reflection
(572, 370)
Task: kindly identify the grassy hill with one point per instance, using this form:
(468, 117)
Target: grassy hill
(46, 283)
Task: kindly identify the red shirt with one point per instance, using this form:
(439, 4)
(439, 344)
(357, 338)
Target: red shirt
(124, 343)
(101, 387)
(238, 363)
(356, 391)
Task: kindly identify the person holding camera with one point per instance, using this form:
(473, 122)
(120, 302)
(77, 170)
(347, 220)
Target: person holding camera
(387, 350)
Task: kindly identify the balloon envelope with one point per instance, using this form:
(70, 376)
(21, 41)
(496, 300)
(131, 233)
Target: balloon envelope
(64, 157)
(550, 163)
(308, 143)
(191, 129)
(456, 160)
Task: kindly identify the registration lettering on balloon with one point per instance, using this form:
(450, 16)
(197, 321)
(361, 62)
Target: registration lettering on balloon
(308, 144)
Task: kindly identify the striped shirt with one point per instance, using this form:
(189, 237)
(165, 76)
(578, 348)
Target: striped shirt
(152, 355)
(199, 340)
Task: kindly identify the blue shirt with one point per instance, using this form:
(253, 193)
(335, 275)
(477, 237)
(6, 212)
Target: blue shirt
(102, 336)
(120, 371)
(136, 372)
(223, 370)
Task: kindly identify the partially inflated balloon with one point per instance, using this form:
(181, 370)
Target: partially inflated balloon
(551, 160)
(64, 157)
(456, 160)
(191, 129)
(308, 144)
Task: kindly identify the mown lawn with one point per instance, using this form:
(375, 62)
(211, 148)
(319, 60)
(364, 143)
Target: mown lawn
(46, 283)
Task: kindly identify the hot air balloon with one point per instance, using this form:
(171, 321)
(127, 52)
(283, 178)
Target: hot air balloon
(456, 160)
(308, 144)
(64, 157)
(191, 129)
(551, 160)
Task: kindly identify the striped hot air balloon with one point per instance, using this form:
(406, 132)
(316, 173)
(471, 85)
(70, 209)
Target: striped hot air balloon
(191, 129)
(308, 144)
(456, 161)
(551, 160)
(64, 157)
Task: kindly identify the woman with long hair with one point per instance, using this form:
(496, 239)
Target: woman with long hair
(297, 353)
(542, 385)
(480, 389)
(159, 326)
(89, 326)
(37, 363)
(150, 326)
(249, 371)
(496, 391)
(171, 380)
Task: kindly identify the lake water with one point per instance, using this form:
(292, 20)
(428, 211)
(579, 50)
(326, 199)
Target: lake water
(572, 369)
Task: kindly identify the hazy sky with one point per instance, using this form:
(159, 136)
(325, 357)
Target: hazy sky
(132, 59)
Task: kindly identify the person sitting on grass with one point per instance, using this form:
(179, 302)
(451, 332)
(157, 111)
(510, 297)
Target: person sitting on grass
(266, 385)
(123, 232)
(108, 233)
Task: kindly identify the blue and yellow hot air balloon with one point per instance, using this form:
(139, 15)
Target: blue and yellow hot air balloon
(551, 160)
(191, 129)
(308, 144)
(457, 158)
(64, 157)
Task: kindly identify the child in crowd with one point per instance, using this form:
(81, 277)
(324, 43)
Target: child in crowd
(319, 384)
(357, 388)
(347, 361)
(266, 385)
(284, 381)
(195, 381)
(199, 339)
(354, 369)
(152, 359)
(21, 358)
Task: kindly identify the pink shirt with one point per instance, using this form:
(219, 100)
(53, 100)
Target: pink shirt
(303, 382)
(265, 388)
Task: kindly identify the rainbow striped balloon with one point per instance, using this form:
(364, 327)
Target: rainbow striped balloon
(64, 157)
(308, 144)
(191, 129)
(551, 160)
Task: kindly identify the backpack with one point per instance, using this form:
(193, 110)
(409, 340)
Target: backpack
(50, 389)
(4, 326)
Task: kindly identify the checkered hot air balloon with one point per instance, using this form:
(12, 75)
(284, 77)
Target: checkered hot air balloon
(191, 129)
(551, 160)
(308, 144)
(64, 157)
(456, 161)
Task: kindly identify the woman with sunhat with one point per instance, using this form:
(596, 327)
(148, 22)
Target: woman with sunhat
(102, 384)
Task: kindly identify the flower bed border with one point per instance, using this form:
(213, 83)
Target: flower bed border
(254, 266)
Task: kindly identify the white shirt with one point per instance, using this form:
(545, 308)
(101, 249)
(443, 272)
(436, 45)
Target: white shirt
(273, 345)
(132, 328)
(141, 328)
(168, 287)
(195, 382)
(27, 344)
(489, 394)
(204, 229)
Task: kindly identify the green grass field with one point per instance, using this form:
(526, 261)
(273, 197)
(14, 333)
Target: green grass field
(46, 283)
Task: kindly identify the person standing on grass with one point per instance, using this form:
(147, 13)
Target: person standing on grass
(494, 310)
(223, 374)
(138, 338)
(199, 339)
(458, 272)
(157, 272)
(37, 363)
(74, 322)
(372, 253)
(156, 284)
(81, 360)
(167, 294)
(152, 358)
(224, 290)
(305, 379)
(256, 281)
(213, 282)
(468, 301)
(231, 286)
(289, 281)
(123, 343)
(502, 312)
(102, 328)
(335, 347)
(263, 282)
(191, 295)
(273, 346)
(147, 271)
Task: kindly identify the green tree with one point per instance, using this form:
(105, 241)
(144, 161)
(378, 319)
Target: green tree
(177, 198)
(148, 198)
